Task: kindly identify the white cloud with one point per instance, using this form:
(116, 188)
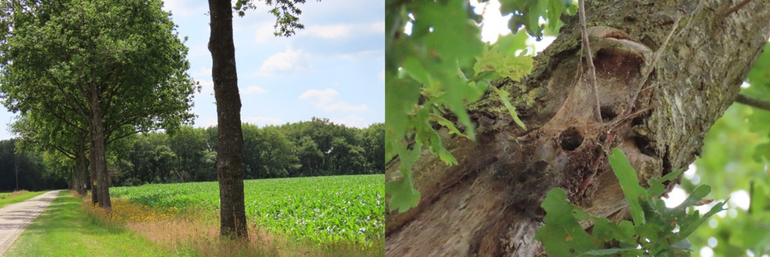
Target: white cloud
(379, 27)
(264, 32)
(263, 121)
(324, 100)
(381, 75)
(366, 54)
(331, 31)
(210, 121)
(343, 30)
(198, 50)
(183, 7)
(202, 73)
(352, 121)
(253, 90)
(284, 62)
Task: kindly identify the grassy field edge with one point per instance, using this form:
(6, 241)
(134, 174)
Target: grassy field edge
(19, 198)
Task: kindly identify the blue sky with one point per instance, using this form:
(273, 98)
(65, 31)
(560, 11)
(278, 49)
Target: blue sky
(334, 68)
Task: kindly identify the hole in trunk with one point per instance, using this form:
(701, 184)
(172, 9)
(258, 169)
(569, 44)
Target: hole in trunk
(608, 113)
(644, 146)
(570, 139)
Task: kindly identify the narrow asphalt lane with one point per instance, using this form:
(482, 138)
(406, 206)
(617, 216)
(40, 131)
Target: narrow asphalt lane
(14, 218)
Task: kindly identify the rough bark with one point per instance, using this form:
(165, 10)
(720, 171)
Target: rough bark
(488, 204)
(230, 135)
(98, 152)
(94, 184)
(81, 168)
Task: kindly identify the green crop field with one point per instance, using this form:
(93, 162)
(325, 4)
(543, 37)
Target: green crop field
(321, 209)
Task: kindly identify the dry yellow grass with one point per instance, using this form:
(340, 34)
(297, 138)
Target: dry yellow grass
(16, 193)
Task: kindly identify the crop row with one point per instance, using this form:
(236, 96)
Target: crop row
(322, 209)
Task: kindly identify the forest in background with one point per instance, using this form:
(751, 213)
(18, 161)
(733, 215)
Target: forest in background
(310, 148)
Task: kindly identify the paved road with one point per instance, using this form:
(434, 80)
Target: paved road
(14, 218)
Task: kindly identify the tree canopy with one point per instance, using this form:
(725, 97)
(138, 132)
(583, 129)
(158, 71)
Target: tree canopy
(116, 65)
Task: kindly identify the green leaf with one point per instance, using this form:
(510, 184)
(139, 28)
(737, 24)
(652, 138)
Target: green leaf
(505, 64)
(562, 235)
(402, 96)
(612, 251)
(683, 244)
(656, 185)
(528, 13)
(446, 123)
(698, 194)
(511, 43)
(505, 98)
(403, 196)
(606, 231)
(688, 228)
(629, 182)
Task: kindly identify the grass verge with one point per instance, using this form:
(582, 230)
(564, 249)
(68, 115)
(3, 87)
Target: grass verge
(18, 196)
(65, 229)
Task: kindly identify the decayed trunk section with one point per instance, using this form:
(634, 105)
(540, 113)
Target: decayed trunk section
(488, 205)
(230, 137)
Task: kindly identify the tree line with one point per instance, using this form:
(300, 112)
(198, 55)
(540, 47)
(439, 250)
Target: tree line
(309, 148)
(85, 74)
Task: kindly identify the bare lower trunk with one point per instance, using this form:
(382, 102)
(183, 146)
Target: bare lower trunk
(230, 137)
(98, 152)
(81, 169)
(94, 184)
(488, 205)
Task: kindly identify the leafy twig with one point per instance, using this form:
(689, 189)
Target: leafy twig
(589, 58)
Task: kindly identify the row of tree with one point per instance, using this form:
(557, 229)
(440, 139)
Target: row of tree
(25, 171)
(85, 74)
(313, 148)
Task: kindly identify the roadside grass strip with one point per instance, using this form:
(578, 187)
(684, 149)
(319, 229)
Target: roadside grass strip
(65, 229)
(18, 196)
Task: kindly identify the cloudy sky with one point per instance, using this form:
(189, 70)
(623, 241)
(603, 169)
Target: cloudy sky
(333, 69)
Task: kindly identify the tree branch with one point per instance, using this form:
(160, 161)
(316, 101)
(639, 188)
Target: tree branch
(736, 7)
(589, 58)
(753, 102)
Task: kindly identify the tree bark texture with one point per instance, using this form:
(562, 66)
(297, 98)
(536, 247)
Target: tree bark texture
(230, 135)
(91, 163)
(81, 168)
(488, 204)
(98, 151)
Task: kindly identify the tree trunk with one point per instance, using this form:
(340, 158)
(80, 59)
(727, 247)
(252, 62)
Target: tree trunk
(488, 204)
(230, 137)
(73, 182)
(98, 152)
(81, 168)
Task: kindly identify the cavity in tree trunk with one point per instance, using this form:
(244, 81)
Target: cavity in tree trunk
(230, 136)
(488, 204)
